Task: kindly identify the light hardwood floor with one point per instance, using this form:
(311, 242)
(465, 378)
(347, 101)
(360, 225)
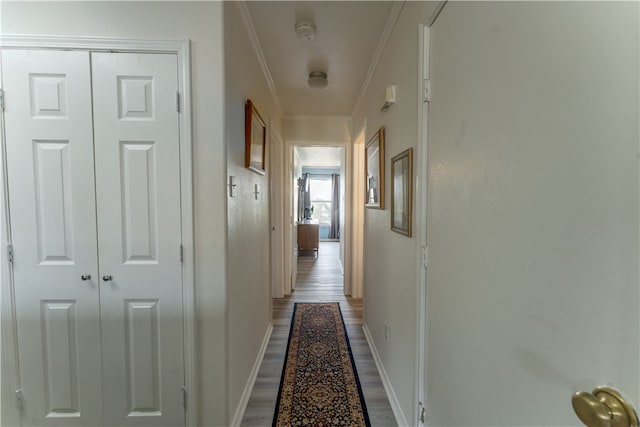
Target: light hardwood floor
(319, 279)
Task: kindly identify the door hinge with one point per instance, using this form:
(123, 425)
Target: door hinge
(426, 96)
(19, 399)
(184, 398)
(2, 99)
(178, 102)
(181, 253)
(421, 412)
(425, 256)
(10, 254)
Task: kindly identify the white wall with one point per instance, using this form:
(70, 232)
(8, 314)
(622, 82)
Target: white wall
(317, 130)
(533, 210)
(202, 22)
(248, 219)
(390, 288)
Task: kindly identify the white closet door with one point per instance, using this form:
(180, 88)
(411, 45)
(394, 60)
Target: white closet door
(138, 205)
(52, 211)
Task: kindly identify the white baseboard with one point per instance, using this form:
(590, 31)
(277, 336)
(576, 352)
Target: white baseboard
(244, 399)
(391, 395)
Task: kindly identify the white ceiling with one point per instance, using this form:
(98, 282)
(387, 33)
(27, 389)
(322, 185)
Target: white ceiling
(319, 156)
(347, 35)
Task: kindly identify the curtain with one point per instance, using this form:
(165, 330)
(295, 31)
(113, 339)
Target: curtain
(300, 198)
(305, 196)
(334, 231)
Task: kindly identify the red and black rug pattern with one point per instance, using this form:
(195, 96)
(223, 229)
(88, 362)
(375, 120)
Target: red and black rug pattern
(319, 385)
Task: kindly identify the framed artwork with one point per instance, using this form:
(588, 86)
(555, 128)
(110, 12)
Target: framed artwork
(255, 139)
(402, 192)
(374, 167)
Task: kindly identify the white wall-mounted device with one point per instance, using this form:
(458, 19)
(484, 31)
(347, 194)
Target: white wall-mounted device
(389, 97)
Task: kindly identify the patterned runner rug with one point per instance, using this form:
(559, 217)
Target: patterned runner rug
(319, 385)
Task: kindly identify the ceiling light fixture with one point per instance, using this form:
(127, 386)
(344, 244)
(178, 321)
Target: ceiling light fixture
(317, 80)
(305, 30)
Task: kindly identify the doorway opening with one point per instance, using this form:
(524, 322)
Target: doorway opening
(320, 190)
(319, 203)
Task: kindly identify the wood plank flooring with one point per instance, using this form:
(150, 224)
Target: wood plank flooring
(319, 279)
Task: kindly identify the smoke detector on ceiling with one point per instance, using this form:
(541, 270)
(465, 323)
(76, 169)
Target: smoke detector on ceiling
(305, 30)
(318, 80)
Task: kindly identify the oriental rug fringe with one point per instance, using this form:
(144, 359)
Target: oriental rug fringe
(319, 385)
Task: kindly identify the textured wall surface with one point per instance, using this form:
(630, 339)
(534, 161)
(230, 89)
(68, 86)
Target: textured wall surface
(248, 218)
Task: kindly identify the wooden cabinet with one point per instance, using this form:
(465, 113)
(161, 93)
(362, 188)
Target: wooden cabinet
(308, 236)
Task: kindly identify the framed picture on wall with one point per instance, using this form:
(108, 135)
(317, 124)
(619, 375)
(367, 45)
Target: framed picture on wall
(402, 192)
(374, 168)
(255, 139)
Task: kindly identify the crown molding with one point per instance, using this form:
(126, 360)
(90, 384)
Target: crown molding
(255, 42)
(436, 13)
(394, 14)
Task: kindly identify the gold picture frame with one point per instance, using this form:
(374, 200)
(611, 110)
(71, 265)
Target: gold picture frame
(255, 139)
(374, 171)
(402, 192)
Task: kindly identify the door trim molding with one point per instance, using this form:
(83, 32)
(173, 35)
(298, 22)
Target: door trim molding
(94, 44)
(357, 212)
(422, 183)
(291, 227)
(181, 48)
(276, 213)
(9, 412)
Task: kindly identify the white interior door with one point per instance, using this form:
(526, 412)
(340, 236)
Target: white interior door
(52, 208)
(138, 204)
(533, 218)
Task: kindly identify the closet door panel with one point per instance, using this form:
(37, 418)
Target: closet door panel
(138, 204)
(49, 146)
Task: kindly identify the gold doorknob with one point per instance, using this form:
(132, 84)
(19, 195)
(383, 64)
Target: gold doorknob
(604, 407)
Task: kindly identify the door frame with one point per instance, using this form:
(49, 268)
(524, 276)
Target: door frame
(422, 181)
(290, 227)
(181, 48)
(422, 185)
(276, 212)
(9, 378)
(357, 212)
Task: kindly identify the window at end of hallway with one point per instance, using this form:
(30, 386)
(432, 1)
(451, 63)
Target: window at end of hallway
(320, 193)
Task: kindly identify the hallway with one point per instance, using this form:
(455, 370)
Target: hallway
(319, 279)
(516, 289)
